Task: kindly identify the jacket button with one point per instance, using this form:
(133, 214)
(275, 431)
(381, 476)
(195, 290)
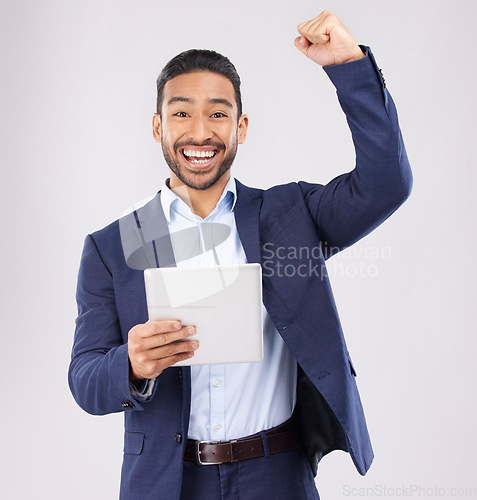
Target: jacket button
(127, 405)
(178, 437)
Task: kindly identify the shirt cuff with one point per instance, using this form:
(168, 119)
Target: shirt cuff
(144, 390)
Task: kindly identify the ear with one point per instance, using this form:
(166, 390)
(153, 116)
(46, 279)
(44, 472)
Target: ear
(242, 129)
(156, 128)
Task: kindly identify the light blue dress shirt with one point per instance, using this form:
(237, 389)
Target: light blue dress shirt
(231, 401)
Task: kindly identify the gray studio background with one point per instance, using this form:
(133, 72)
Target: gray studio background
(78, 93)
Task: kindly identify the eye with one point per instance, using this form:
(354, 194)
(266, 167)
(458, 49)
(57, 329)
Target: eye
(219, 115)
(180, 114)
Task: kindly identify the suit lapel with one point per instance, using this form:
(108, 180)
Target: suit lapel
(247, 211)
(145, 237)
(156, 231)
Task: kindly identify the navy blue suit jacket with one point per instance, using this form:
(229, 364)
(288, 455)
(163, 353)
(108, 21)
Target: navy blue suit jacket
(275, 227)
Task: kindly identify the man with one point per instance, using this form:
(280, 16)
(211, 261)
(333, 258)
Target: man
(122, 362)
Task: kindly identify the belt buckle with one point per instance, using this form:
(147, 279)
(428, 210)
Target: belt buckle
(197, 452)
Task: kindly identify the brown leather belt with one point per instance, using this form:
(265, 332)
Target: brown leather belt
(280, 438)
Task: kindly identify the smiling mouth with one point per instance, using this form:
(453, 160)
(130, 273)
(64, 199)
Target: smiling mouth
(199, 157)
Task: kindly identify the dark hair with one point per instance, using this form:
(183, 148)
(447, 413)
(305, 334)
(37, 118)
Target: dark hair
(198, 60)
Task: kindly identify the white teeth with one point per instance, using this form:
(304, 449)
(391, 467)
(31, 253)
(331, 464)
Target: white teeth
(199, 162)
(199, 154)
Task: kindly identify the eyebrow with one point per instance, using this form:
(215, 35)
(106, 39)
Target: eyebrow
(179, 99)
(221, 101)
(192, 101)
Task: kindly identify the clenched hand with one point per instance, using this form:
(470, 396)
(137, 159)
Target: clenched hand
(326, 41)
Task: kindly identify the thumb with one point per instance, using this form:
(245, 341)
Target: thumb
(302, 44)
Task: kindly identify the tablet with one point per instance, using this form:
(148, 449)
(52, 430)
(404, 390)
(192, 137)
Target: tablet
(224, 303)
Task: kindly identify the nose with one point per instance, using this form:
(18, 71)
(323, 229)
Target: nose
(200, 129)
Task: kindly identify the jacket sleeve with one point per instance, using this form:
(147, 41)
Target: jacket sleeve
(99, 368)
(353, 204)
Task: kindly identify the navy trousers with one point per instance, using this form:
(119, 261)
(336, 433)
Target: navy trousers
(281, 476)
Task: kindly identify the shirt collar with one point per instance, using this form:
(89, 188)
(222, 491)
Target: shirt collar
(170, 201)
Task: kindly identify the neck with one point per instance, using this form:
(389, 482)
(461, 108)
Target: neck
(201, 202)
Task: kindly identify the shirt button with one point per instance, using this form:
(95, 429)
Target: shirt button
(217, 383)
(178, 437)
(218, 427)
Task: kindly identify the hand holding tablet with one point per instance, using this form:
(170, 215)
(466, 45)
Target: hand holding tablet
(154, 346)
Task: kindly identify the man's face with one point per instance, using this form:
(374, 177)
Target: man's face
(198, 129)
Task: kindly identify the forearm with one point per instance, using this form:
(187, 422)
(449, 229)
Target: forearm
(99, 368)
(382, 168)
(353, 204)
(99, 381)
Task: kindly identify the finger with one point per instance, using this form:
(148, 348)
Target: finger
(302, 44)
(316, 33)
(151, 369)
(162, 326)
(171, 337)
(304, 28)
(318, 30)
(160, 339)
(146, 363)
(315, 21)
(169, 350)
(306, 24)
(167, 362)
(151, 328)
(311, 24)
